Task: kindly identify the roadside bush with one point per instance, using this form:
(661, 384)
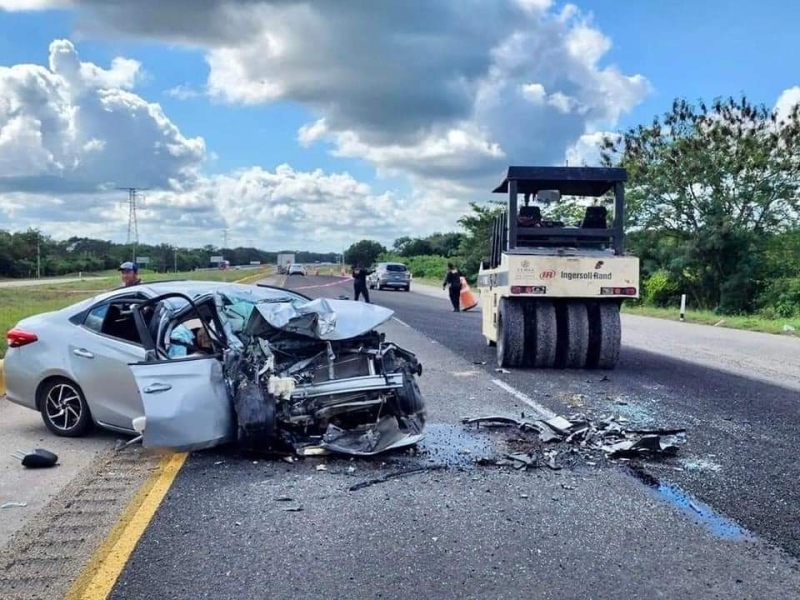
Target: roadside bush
(431, 267)
(781, 298)
(660, 290)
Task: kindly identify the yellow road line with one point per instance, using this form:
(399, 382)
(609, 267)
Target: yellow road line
(101, 573)
(2, 379)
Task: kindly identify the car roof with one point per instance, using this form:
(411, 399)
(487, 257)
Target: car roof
(192, 289)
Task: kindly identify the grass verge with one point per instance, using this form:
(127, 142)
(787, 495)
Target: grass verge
(17, 303)
(747, 323)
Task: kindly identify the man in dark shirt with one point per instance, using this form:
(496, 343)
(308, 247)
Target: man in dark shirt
(360, 282)
(129, 273)
(453, 280)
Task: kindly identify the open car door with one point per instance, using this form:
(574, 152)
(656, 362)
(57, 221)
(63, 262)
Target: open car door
(186, 404)
(185, 398)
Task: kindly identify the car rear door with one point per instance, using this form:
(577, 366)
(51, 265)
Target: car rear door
(99, 362)
(185, 399)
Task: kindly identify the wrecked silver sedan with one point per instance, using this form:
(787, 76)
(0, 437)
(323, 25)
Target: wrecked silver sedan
(273, 373)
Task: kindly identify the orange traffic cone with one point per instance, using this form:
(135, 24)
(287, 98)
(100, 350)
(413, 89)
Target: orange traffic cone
(467, 299)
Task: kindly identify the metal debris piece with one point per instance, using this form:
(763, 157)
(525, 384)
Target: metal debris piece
(583, 436)
(13, 505)
(395, 475)
(547, 435)
(492, 421)
(559, 425)
(293, 509)
(322, 467)
(503, 371)
(289, 459)
(284, 499)
(522, 460)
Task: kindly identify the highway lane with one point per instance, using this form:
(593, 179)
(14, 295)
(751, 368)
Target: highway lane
(225, 531)
(744, 431)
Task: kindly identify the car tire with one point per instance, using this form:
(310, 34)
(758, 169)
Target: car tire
(408, 288)
(64, 409)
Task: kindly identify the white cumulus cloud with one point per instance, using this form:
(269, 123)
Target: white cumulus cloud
(76, 126)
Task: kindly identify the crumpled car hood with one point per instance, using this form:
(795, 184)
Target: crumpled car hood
(322, 319)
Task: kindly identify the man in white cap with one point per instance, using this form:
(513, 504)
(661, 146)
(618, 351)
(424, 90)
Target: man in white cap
(129, 273)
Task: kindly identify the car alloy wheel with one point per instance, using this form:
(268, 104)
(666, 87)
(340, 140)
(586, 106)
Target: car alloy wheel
(64, 409)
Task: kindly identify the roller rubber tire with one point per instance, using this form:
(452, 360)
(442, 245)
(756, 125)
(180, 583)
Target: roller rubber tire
(573, 335)
(605, 335)
(544, 334)
(510, 334)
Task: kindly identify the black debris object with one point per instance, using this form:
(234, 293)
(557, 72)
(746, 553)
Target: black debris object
(293, 509)
(370, 482)
(38, 459)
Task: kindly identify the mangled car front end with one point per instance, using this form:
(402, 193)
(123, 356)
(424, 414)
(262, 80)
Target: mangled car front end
(309, 376)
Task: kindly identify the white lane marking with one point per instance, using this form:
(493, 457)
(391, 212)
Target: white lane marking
(403, 323)
(543, 410)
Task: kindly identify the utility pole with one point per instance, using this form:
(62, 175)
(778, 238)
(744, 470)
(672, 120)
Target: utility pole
(38, 255)
(175, 257)
(224, 241)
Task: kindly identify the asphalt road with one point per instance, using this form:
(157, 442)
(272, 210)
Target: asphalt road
(744, 430)
(237, 526)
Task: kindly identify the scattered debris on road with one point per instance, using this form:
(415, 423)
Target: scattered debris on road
(607, 436)
(13, 505)
(38, 459)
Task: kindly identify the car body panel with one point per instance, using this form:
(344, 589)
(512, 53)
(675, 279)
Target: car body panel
(323, 319)
(186, 405)
(26, 368)
(99, 364)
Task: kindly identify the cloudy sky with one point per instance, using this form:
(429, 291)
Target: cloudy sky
(312, 124)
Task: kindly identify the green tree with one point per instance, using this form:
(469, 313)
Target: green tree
(364, 253)
(476, 243)
(719, 180)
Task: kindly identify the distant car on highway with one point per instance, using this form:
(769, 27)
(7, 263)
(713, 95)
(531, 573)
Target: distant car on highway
(297, 270)
(390, 275)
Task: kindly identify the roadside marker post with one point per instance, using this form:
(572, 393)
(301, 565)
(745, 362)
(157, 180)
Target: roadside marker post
(683, 307)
